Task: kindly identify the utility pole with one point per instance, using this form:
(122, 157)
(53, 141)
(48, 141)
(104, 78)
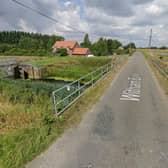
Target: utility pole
(150, 39)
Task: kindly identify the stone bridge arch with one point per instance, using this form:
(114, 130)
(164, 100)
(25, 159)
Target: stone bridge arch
(28, 71)
(22, 71)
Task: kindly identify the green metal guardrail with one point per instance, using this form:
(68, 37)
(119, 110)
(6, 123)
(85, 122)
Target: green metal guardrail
(64, 97)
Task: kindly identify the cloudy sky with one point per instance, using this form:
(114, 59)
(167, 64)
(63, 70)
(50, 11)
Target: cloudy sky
(127, 20)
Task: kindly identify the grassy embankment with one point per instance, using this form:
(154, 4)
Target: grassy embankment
(156, 54)
(27, 122)
(70, 68)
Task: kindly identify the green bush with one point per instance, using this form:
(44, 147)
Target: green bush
(5, 47)
(62, 52)
(121, 52)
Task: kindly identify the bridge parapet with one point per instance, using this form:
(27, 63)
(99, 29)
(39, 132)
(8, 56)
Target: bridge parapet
(8, 62)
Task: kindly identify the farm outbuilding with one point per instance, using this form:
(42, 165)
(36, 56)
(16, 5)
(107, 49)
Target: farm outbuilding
(81, 51)
(72, 47)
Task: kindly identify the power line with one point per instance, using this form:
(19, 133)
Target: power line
(75, 30)
(46, 16)
(65, 31)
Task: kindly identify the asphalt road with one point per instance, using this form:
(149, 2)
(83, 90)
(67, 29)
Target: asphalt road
(127, 128)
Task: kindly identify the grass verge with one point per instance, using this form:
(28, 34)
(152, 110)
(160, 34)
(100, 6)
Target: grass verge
(75, 113)
(162, 80)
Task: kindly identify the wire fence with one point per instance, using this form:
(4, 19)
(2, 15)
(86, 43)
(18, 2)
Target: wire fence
(64, 97)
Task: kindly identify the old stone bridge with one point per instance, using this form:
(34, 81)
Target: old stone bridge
(17, 69)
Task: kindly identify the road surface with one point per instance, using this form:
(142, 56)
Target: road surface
(127, 128)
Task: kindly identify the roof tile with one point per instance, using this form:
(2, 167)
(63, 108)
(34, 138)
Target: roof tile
(65, 44)
(80, 51)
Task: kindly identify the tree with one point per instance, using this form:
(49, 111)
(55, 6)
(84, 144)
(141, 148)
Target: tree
(16, 42)
(110, 46)
(28, 43)
(130, 45)
(113, 45)
(116, 44)
(163, 47)
(100, 48)
(86, 42)
(5, 47)
(52, 40)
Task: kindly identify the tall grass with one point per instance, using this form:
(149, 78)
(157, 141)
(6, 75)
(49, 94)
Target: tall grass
(27, 121)
(75, 68)
(162, 80)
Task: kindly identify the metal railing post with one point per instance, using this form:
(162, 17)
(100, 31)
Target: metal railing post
(107, 68)
(55, 104)
(79, 92)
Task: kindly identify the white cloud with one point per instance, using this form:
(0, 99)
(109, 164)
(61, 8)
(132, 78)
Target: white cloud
(67, 3)
(154, 10)
(24, 26)
(123, 19)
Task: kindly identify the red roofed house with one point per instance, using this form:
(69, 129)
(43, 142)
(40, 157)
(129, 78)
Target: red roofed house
(80, 51)
(72, 47)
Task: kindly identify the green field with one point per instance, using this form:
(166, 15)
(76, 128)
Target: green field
(161, 54)
(70, 68)
(26, 109)
(162, 58)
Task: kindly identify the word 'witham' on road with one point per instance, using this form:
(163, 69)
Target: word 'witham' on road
(133, 92)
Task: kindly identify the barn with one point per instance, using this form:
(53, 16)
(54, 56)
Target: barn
(72, 47)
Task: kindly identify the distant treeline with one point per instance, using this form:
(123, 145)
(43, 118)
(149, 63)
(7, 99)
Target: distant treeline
(35, 44)
(23, 43)
(155, 47)
(104, 46)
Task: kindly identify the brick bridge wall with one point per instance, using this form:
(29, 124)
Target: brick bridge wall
(25, 70)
